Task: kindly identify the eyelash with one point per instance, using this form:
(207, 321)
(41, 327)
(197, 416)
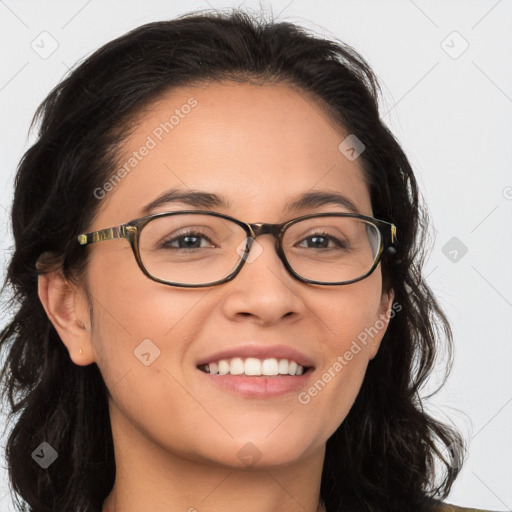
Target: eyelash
(183, 235)
(329, 236)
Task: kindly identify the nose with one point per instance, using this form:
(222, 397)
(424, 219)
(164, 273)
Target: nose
(263, 290)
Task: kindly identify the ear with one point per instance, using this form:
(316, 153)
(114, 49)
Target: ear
(67, 308)
(385, 313)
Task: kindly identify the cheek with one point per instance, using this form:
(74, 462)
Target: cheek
(141, 342)
(349, 311)
(137, 320)
(349, 316)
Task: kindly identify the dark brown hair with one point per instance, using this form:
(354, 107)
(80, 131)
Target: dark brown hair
(387, 453)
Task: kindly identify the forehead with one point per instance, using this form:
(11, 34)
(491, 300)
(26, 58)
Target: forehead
(256, 145)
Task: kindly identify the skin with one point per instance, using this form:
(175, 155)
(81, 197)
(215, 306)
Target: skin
(176, 439)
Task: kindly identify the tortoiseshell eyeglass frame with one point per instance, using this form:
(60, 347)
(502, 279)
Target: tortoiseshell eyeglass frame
(131, 231)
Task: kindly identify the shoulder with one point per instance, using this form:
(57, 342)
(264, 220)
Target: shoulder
(448, 507)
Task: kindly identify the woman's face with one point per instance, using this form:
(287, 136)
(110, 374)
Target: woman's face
(259, 147)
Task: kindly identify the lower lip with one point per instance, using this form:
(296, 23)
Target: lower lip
(260, 387)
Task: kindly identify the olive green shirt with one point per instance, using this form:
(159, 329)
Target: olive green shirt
(448, 507)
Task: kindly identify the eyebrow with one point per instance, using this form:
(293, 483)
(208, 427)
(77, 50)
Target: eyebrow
(209, 200)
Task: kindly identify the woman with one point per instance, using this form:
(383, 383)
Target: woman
(218, 289)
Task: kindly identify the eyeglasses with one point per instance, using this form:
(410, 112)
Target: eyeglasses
(196, 248)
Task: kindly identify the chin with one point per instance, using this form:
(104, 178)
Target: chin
(260, 453)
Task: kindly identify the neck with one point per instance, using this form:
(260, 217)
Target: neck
(150, 478)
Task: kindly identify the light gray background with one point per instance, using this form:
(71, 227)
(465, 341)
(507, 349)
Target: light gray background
(451, 110)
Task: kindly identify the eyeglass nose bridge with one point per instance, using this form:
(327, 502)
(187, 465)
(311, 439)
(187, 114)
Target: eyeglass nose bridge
(261, 228)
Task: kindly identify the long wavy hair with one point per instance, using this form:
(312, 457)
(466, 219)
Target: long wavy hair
(388, 454)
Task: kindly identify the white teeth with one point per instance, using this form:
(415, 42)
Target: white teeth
(223, 367)
(283, 367)
(236, 366)
(270, 367)
(254, 367)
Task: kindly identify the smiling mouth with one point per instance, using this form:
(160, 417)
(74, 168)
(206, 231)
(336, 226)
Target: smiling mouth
(254, 367)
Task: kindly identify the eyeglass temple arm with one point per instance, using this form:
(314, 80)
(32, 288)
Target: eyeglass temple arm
(105, 234)
(392, 247)
(394, 241)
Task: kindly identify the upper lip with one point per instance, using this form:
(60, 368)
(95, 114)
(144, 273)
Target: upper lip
(260, 352)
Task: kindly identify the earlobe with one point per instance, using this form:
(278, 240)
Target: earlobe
(66, 308)
(387, 301)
